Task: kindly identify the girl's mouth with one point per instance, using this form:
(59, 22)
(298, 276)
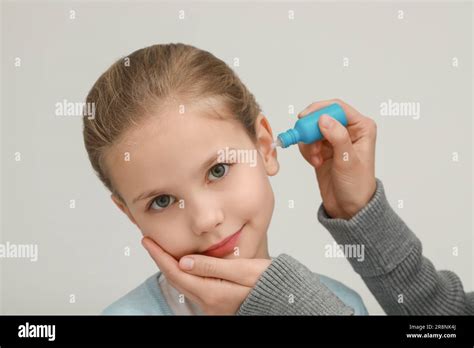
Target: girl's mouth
(225, 246)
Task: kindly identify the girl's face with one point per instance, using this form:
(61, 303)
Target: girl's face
(189, 180)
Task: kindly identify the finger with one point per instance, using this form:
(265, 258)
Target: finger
(196, 288)
(338, 136)
(187, 294)
(226, 298)
(242, 271)
(169, 267)
(308, 154)
(165, 262)
(310, 151)
(326, 151)
(352, 115)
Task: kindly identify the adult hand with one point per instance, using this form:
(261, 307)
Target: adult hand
(217, 286)
(344, 160)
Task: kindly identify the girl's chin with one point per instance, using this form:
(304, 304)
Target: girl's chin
(239, 255)
(246, 255)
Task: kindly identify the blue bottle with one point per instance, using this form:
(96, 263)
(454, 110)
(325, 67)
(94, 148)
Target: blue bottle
(306, 129)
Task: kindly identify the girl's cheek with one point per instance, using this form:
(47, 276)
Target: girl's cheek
(171, 236)
(251, 186)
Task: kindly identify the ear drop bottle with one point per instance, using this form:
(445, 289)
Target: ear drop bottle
(306, 129)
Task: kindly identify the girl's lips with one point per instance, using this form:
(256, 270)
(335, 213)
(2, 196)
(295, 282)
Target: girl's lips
(225, 246)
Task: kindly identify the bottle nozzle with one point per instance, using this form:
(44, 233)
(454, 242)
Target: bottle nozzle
(276, 143)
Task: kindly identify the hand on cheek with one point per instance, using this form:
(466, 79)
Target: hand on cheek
(245, 272)
(213, 295)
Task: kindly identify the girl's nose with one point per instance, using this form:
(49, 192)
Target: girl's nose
(206, 215)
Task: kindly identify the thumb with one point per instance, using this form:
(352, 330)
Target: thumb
(338, 136)
(241, 271)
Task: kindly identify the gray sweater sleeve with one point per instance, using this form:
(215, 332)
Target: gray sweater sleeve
(402, 280)
(289, 288)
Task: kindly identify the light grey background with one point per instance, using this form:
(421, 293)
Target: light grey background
(283, 62)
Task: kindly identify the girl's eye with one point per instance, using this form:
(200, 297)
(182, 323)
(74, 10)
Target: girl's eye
(162, 202)
(219, 170)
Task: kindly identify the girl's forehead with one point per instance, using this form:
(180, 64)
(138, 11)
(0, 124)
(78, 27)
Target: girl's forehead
(172, 137)
(172, 125)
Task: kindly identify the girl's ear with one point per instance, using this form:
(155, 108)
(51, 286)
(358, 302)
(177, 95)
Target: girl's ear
(264, 145)
(123, 207)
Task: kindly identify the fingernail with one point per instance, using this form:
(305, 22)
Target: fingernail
(326, 121)
(186, 263)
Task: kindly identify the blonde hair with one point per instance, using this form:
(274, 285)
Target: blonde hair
(148, 79)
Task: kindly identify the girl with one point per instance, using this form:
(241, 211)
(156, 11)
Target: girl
(166, 116)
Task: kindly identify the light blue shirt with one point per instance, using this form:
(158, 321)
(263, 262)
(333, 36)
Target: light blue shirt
(148, 299)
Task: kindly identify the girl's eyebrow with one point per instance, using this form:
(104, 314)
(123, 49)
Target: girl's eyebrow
(154, 192)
